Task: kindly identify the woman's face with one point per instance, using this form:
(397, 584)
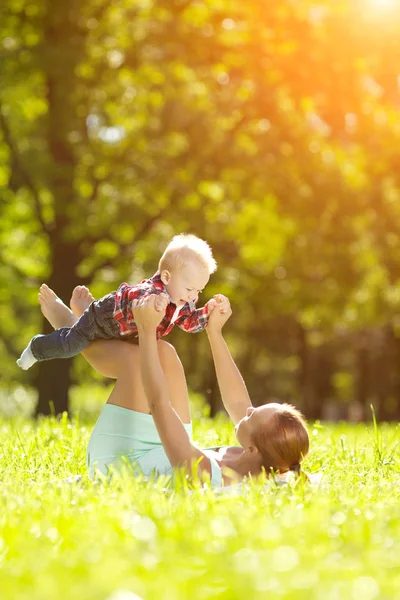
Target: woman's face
(255, 419)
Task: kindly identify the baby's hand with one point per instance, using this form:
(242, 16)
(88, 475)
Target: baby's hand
(223, 303)
(211, 304)
(219, 310)
(161, 302)
(144, 311)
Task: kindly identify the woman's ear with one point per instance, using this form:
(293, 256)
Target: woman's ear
(252, 451)
(165, 276)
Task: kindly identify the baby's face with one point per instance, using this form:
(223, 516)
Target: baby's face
(185, 284)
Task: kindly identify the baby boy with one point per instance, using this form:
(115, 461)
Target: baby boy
(183, 272)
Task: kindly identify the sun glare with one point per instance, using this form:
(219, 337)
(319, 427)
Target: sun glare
(384, 3)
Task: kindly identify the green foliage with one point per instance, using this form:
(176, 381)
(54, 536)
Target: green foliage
(270, 129)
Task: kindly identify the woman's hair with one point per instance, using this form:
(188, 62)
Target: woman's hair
(183, 249)
(284, 442)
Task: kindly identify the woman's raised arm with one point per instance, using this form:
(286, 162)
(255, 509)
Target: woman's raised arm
(173, 435)
(233, 389)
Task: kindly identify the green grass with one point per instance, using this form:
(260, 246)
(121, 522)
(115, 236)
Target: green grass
(130, 539)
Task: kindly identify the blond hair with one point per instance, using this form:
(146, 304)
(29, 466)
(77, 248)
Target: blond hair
(284, 442)
(183, 249)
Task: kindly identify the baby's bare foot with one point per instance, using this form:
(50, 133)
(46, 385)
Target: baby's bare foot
(81, 298)
(54, 309)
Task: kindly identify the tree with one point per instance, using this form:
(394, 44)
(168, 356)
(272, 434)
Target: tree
(256, 126)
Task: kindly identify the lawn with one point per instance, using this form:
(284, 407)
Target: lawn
(132, 539)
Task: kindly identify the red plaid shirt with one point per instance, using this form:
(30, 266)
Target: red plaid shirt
(189, 319)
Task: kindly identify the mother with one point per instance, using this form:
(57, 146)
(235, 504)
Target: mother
(146, 419)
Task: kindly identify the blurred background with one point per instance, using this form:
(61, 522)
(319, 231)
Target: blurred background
(270, 128)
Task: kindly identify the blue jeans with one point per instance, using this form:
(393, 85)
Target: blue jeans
(96, 323)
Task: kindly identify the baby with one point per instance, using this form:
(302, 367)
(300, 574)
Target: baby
(183, 272)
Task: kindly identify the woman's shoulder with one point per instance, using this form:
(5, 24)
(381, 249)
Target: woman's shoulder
(221, 476)
(212, 454)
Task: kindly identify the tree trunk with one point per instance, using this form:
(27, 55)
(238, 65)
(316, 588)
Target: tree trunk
(303, 352)
(362, 373)
(53, 383)
(63, 36)
(54, 376)
(322, 380)
(382, 354)
(395, 380)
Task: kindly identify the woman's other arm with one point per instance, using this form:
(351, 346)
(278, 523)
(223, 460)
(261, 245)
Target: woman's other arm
(231, 384)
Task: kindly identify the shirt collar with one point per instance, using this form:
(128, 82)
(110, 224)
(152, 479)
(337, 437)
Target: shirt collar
(157, 281)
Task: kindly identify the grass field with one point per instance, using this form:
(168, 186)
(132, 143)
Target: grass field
(131, 539)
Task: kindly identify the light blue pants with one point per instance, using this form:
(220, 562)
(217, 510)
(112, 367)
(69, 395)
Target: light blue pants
(123, 436)
(123, 433)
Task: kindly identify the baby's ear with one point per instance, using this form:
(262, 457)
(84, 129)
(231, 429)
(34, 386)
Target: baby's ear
(165, 276)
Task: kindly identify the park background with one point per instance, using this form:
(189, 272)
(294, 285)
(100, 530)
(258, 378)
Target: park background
(271, 129)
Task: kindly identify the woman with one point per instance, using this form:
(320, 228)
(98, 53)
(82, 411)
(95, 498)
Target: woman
(147, 418)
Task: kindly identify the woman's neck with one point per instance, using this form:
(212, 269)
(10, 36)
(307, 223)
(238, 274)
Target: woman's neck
(241, 463)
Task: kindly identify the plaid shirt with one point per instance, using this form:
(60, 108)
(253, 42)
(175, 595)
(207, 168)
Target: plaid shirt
(189, 319)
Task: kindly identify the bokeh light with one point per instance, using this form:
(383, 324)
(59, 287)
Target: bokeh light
(384, 4)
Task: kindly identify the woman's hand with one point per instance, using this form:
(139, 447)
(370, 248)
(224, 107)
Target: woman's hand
(150, 311)
(220, 311)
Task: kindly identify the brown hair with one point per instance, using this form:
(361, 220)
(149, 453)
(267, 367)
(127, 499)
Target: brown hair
(284, 442)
